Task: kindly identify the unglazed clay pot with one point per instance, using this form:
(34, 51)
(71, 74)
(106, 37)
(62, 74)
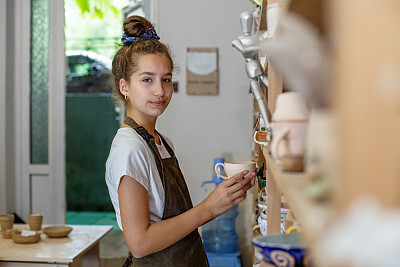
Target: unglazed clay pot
(35, 221)
(291, 107)
(289, 131)
(288, 139)
(6, 221)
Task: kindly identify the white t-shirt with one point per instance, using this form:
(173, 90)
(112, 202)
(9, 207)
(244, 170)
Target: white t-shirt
(130, 155)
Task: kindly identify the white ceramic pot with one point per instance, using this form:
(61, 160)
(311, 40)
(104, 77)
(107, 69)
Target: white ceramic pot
(262, 222)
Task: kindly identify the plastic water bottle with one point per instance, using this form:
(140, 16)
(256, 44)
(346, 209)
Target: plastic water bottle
(219, 235)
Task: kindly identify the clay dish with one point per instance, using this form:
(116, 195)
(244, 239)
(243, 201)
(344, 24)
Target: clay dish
(19, 239)
(57, 231)
(8, 233)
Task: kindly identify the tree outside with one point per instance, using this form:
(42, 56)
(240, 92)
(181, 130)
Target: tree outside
(94, 25)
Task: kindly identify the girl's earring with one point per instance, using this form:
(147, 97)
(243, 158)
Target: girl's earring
(126, 98)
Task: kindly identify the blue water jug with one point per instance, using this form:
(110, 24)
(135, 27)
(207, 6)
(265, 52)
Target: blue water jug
(219, 235)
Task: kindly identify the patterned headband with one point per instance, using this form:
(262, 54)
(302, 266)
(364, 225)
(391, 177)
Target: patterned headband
(150, 33)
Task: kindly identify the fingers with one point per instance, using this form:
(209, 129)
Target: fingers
(251, 184)
(231, 191)
(234, 179)
(239, 190)
(238, 194)
(243, 191)
(244, 183)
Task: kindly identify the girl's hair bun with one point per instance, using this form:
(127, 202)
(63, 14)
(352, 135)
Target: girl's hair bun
(135, 26)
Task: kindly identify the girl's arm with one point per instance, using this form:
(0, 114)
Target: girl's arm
(144, 238)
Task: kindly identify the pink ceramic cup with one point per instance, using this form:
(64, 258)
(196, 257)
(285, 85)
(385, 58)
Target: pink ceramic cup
(288, 139)
(233, 167)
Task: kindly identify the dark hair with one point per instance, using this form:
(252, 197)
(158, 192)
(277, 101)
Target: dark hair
(125, 60)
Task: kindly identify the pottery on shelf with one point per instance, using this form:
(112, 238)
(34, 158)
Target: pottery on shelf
(282, 250)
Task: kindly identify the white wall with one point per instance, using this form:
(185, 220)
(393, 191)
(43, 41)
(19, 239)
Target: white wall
(7, 113)
(3, 198)
(204, 127)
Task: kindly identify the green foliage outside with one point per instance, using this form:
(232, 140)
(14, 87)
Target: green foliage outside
(96, 8)
(94, 25)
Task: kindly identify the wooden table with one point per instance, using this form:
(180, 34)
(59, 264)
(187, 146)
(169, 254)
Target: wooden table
(80, 248)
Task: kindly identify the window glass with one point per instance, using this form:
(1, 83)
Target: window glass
(39, 81)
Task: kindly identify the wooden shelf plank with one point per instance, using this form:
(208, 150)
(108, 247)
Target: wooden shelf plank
(313, 215)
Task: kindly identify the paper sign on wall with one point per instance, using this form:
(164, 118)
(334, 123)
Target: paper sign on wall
(202, 71)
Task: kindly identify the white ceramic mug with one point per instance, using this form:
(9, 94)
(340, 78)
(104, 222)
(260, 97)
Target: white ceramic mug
(233, 167)
(288, 139)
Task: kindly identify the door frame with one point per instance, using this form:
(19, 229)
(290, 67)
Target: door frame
(21, 19)
(40, 188)
(3, 175)
(57, 88)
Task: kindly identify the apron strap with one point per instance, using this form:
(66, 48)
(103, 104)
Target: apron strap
(169, 149)
(139, 129)
(150, 141)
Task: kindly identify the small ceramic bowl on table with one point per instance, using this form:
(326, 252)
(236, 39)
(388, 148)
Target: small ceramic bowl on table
(282, 250)
(25, 237)
(8, 233)
(57, 231)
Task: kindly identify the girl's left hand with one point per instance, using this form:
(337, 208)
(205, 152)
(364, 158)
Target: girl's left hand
(229, 193)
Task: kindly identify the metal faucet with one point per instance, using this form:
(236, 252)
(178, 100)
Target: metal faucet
(253, 67)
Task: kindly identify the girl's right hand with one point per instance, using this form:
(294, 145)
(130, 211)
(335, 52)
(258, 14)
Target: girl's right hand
(229, 193)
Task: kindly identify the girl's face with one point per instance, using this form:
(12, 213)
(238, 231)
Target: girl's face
(150, 87)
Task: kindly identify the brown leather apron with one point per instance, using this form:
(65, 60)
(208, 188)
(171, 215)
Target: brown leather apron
(189, 251)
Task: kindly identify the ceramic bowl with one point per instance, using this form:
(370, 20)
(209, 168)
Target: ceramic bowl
(57, 231)
(283, 250)
(8, 233)
(20, 239)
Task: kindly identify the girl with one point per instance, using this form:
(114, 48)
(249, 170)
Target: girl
(146, 186)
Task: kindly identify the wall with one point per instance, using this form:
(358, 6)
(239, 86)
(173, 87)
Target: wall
(2, 106)
(204, 127)
(7, 134)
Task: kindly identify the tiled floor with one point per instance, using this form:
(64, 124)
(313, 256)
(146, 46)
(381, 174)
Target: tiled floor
(112, 246)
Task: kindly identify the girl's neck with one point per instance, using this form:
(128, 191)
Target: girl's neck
(148, 124)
